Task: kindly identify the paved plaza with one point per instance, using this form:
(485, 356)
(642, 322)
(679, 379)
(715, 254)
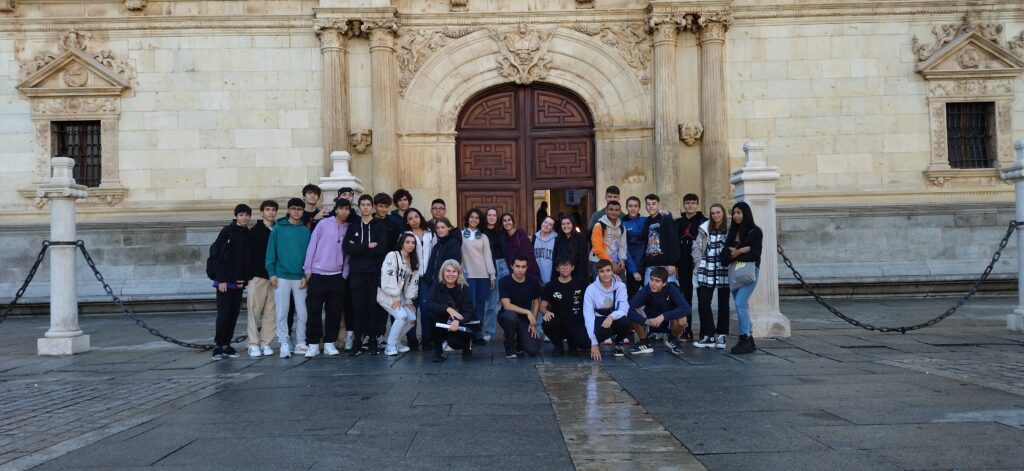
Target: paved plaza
(830, 397)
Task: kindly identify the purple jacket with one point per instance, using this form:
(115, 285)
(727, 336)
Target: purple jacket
(519, 244)
(324, 255)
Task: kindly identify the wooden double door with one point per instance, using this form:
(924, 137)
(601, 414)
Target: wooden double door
(513, 140)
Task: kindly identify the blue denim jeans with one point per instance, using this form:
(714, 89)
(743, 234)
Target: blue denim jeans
(480, 289)
(490, 319)
(741, 298)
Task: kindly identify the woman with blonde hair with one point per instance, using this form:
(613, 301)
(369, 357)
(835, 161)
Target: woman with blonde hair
(451, 304)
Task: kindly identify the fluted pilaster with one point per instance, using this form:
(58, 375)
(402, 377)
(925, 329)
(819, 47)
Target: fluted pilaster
(333, 34)
(664, 29)
(714, 152)
(385, 103)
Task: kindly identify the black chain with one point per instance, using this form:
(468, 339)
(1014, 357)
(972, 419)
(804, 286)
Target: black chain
(139, 322)
(31, 274)
(949, 312)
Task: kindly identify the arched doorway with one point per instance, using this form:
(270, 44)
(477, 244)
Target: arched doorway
(515, 140)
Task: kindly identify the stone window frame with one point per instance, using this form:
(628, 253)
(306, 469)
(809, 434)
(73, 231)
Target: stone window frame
(78, 83)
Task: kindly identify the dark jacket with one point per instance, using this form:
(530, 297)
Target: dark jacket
(662, 249)
(395, 228)
(234, 257)
(445, 248)
(258, 237)
(578, 248)
(669, 302)
(519, 244)
(442, 298)
(363, 259)
(753, 239)
(686, 232)
(494, 237)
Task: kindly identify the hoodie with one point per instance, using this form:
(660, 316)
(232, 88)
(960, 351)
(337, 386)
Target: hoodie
(662, 248)
(259, 236)
(608, 241)
(363, 259)
(544, 254)
(687, 230)
(598, 298)
(635, 242)
(325, 256)
(286, 250)
(235, 261)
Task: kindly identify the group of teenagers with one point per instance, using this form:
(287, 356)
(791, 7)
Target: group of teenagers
(363, 262)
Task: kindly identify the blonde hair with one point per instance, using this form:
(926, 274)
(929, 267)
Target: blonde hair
(458, 269)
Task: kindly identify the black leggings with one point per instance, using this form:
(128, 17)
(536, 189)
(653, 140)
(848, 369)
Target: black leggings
(228, 306)
(707, 319)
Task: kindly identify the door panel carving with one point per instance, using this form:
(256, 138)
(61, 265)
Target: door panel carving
(487, 160)
(494, 112)
(563, 158)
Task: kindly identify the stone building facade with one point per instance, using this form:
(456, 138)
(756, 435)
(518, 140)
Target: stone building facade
(888, 121)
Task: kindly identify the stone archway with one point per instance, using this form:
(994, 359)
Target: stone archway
(513, 140)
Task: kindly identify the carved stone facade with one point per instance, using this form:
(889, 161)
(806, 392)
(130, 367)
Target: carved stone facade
(206, 103)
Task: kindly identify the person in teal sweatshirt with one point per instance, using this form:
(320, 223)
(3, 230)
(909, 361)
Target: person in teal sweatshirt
(286, 252)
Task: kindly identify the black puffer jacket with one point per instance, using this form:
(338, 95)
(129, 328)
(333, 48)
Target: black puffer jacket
(259, 235)
(443, 297)
(232, 255)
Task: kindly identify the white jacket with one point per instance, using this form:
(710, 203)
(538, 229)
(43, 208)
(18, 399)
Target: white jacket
(398, 281)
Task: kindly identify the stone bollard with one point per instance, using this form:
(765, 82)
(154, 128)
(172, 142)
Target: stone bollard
(1015, 173)
(64, 336)
(340, 177)
(755, 184)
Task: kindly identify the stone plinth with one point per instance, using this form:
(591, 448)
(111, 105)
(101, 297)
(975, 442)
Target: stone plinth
(755, 184)
(64, 337)
(1015, 173)
(340, 177)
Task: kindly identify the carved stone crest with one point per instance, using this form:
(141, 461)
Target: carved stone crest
(968, 58)
(631, 42)
(76, 43)
(689, 133)
(361, 140)
(523, 53)
(415, 46)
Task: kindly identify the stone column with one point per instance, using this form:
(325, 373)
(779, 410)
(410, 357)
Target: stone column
(333, 34)
(714, 150)
(666, 142)
(383, 90)
(64, 336)
(1015, 173)
(755, 184)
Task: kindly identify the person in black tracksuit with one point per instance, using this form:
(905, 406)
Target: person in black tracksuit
(366, 245)
(232, 266)
(447, 246)
(687, 228)
(562, 308)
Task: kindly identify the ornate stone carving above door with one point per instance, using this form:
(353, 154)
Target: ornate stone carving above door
(523, 53)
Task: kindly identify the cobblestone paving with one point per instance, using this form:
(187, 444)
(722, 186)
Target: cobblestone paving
(44, 418)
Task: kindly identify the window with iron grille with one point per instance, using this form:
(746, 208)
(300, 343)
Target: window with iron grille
(969, 127)
(79, 140)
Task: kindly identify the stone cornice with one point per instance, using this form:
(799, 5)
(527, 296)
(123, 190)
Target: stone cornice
(156, 23)
(882, 9)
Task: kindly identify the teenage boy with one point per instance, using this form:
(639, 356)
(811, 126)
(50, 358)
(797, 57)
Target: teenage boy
(610, 194)
(687, 228)
(520, 299)
(608, 239)
(262, 325)
(326, 270)
(562, 309)
(605, 304)
(286, 252)
(382, 203)
(403, 200)
(232, 269)
(348, 194)
(662, 250)
(438, 209)
(365, 243)
(311, 215)
(658, 307)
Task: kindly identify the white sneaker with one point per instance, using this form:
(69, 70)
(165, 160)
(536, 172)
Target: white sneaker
(267, 351)
(720, 342)
(330, 350)
(402, 348)
(348, 341)
(286, 350)
(254, 351)
(311, 351)
(391, 350)
(301, 349)
(447, 348)
(487, 338)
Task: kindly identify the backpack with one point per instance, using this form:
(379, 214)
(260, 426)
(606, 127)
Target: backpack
(213, 258)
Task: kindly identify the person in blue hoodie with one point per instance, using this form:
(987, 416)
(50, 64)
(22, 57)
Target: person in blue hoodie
(658, 307)
(634, 222)
(366, 244)
(286, 252)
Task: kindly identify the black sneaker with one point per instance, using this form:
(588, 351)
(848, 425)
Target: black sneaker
(688, 335)
(744, 346)
(510, 354)
(619, 351)
(640, 348)
(479, 341)
(374, 350)
(674, 348)
(413, 344)
(218, 354)
(230, 351)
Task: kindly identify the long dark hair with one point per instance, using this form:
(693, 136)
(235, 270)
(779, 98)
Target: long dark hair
(502, 225)
(414, 260)
(566, 217)
(497, 223)
(423, 222)
(744, 226)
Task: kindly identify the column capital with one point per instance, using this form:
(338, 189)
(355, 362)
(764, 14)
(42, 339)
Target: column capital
(712, 26)
(665, 26)
(382, 32)
(333, 32)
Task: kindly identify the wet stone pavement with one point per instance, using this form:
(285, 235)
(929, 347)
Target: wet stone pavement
(830, 397)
